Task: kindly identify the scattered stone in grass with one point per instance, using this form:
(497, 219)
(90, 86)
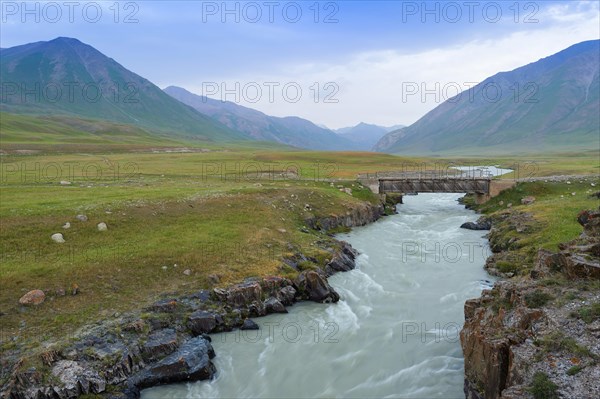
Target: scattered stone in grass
(65, 183)
(66, 225)
(282, 231)
(34, 297)
(57, 237)
(60, 292)
(501, 203)
(102, 226)
(81, 218)
(187, 272)
(568, 182)
(573, 194)
(164, 267)
(528, 200)
(213, 278)
(74, 289)
(509, 205)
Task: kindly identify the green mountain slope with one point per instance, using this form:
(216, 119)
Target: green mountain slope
(66, 77)
(56, 130)
(551, 104)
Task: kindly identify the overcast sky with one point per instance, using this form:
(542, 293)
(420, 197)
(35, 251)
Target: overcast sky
(335, 63)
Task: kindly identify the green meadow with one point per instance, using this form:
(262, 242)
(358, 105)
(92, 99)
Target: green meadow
(220, 212)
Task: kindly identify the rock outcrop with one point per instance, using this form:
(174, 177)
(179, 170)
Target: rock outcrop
(483, 223)
(360, 215)
(533, 325)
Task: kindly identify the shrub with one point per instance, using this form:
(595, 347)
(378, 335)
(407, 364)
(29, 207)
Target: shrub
(542, 387)
(590, 313)
(537, 299)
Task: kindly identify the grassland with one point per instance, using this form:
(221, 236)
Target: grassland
(223, 211)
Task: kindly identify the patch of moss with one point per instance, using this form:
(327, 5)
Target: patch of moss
(574, 370)
(557, 342)
(507, 267)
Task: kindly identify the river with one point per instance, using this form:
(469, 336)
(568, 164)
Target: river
(394, 333)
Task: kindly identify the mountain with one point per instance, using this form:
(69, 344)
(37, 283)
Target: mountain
(395, 127)
(551, 104)
(289, 130)
(67, 77)
(364, 134)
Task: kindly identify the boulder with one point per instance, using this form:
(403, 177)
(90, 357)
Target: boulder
(159, 344)
(164, 306)
(34, 297)
(240, 294)
(272, 305)
(483, 223)
(66, 225)
(311, 285)
(249, 325)
(57, 237)
(76, 380)
(342, 260)
(590, 220)
(287, 295)
(81, 218)
(191, 362)
(102, 226)
(202, 322)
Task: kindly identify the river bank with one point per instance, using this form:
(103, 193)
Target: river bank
(167, 342)
(536, 333)
(395, 327)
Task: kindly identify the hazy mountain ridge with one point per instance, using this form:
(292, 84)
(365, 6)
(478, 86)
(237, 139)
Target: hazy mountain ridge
(365, 134)
(67, 77)
(257, 125)
(557, 107)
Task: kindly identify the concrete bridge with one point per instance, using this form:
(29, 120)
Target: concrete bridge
(414, 183)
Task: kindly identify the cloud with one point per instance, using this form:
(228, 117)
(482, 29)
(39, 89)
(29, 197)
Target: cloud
(372, 86)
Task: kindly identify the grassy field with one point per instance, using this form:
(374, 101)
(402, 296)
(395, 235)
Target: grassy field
(222, 211)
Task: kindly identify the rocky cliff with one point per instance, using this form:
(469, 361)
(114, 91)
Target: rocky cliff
(536, 336)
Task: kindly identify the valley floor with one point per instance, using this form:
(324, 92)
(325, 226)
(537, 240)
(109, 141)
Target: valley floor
(180, 219)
